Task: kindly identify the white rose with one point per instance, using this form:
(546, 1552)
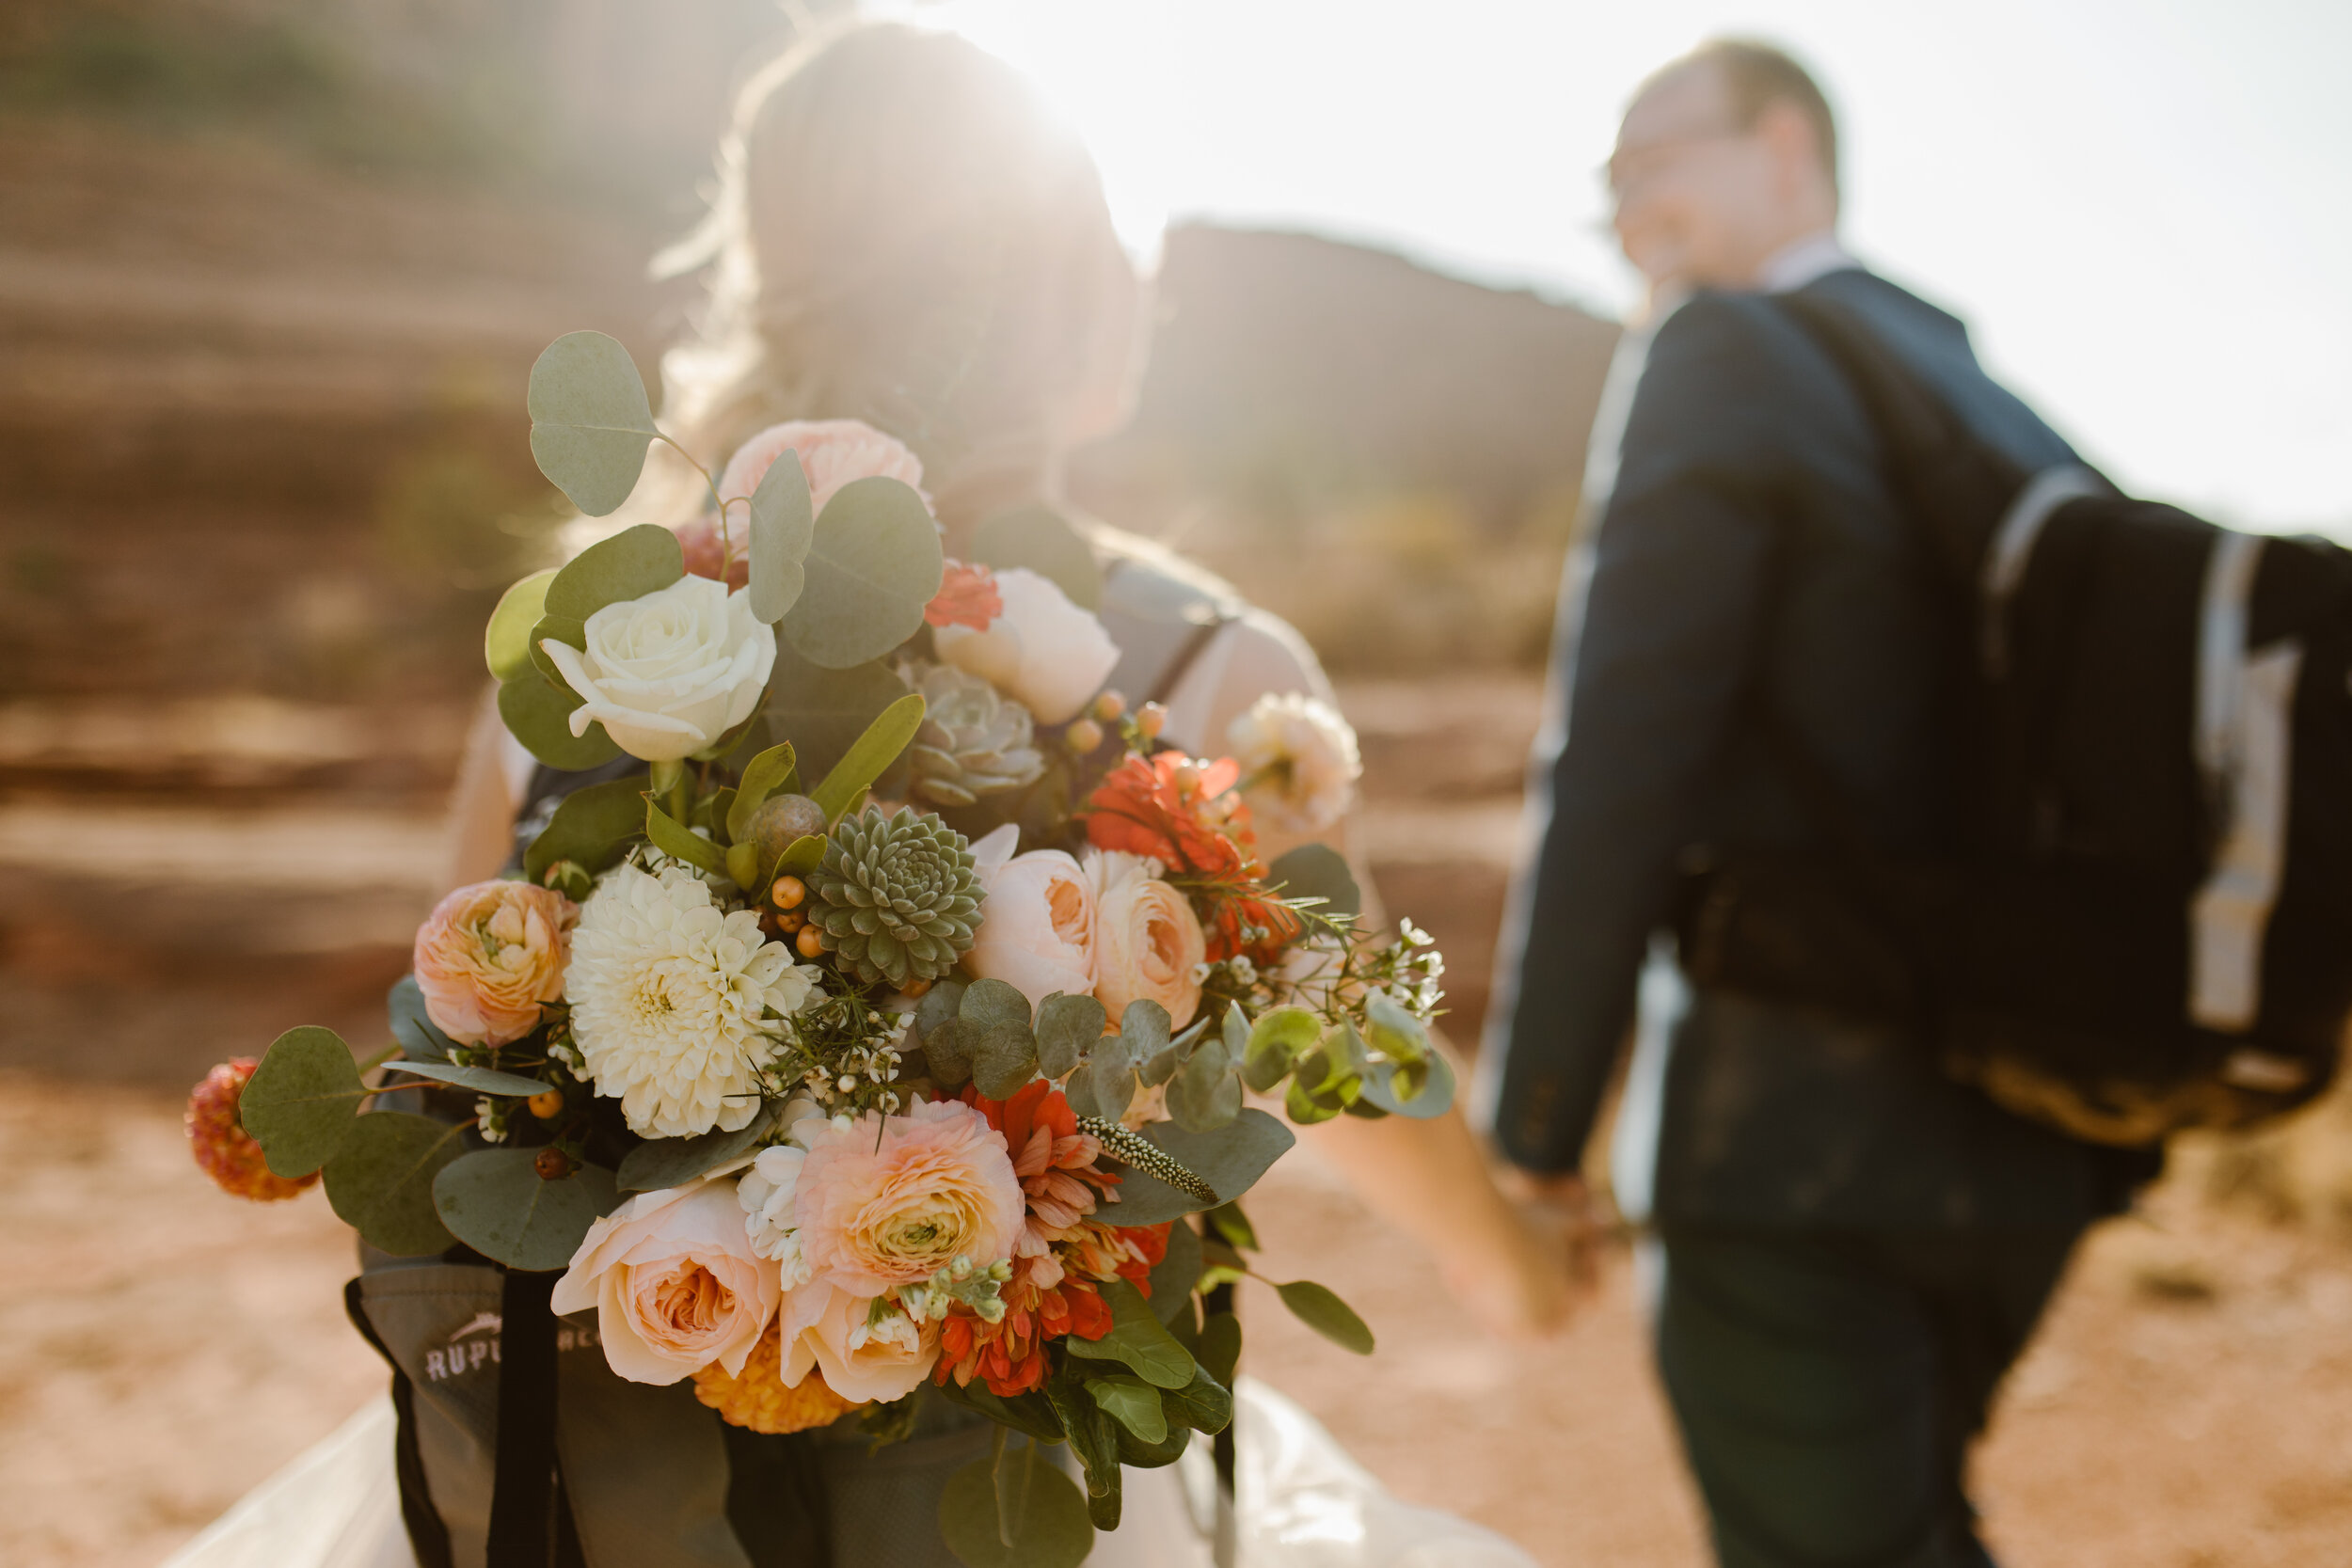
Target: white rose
(1043, 652)
(1299, 762)
(672, 672)
(1147, 940)
(1037, 926)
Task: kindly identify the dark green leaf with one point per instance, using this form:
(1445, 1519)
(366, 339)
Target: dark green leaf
(1052, 1532)
(420, 1039)
(1005, 1058)
(301, 1100)
(660, 1163)
(1137, 1339)
(495, 1202)
(782, 528)
(590, 423)
(951, 1048)
(1137, 1454)
(1229, 1160)
(1067, 1027)
(539, 714)
(692, 847)
(1133, 1404)
(941, 1003)
(1104, 1086)
(771, 772)
(381, 1180)
(988, 1002)
(1306, 1106)
(1042, 540)
(1093, 1437)
(482, 1080)
(869, 756)
(1317, 871)
(506, 642)
(594, 827)
(1172, 1276)
(1028, 1413)
(822, 712)
(872, 568)
(1221, 1346)
(1204, 1404)
(1326, 1314)
(553, 628)
(1229, 1221)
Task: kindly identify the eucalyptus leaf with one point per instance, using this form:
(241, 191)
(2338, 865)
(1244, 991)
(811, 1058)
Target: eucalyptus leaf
(685, 845)
(480, 1080)
(1173, 1275)
(1277, 1039)
(420, 1038)
(1003, 1059)
(873, 567)
(1205, 1093)
(782, 528)
(1308, 1107)
(869, 756)
(1133, 1404)
(773, 771)
(506, 640)
(1229, 1160)
(380, 1182)
(553, 628)
(1326, 1314)
(1053, 1530)
(302, 1098)
(823, 712)
(539, 715)
(1042, 540)
(943, 1001)
(1104, 1086)
(660, 1163)
(988, 1002)
(496, 1202)
(1137, 1339)
(1067, 1027)
(590, 421)
(1144, 1026)
(592, 828)
(950, 1049)
(1317, 871)
(636, 562)
(1432, 1087)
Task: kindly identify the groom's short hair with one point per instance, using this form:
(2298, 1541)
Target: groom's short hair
(1757, 75)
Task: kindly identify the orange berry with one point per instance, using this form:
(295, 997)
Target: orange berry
(1151, 718)
(787, 892)
(547, 1104)
(1110, 707)
(811, 942)
(1083, 737)
(551, 1163)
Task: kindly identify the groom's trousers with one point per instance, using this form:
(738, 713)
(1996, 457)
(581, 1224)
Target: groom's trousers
(1828, 1385)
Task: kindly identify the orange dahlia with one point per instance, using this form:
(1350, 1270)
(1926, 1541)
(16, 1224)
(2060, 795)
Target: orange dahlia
(756, 1399)
(224, 1149)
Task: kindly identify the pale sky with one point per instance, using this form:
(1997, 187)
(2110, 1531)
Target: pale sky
(2142, 207)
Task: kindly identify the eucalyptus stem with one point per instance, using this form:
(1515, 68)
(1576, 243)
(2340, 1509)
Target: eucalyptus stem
(369, 1063)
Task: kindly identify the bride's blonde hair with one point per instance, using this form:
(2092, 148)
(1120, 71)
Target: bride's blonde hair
(903, 234)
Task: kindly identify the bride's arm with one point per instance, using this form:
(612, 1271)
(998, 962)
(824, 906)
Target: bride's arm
(482, 805)
(1430, 1177)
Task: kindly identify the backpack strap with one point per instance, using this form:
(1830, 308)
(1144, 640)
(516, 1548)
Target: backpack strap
(1162, 623)
(428, 1536)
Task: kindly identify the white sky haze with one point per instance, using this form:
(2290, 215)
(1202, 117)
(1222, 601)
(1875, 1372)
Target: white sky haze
(2142, 207)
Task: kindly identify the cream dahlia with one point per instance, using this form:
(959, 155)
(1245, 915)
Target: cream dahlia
(675, 1001)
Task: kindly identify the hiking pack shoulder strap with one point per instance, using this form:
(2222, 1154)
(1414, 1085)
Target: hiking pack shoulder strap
(1162, 622)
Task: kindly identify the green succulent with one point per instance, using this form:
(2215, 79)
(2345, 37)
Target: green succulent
(895, 896)
(974, 741)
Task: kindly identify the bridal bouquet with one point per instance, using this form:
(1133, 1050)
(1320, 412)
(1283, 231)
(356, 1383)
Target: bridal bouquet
(886, 1011)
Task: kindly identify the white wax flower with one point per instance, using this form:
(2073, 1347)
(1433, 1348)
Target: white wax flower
(670, 671)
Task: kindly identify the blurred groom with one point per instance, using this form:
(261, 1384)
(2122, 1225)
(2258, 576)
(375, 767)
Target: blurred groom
(1853, 1249)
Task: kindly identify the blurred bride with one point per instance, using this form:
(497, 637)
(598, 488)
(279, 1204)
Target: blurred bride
(903, 235)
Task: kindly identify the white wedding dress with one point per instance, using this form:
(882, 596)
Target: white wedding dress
(1302, 1503)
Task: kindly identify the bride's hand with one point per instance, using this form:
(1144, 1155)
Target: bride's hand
(1531, 1287)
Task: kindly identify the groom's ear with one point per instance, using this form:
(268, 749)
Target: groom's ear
(1798, 155)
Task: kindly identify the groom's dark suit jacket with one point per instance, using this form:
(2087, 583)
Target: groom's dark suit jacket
(1751, 553)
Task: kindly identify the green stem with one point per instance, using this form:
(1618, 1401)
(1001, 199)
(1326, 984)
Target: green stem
(369, 1063)
(709, 484)
(669, 787)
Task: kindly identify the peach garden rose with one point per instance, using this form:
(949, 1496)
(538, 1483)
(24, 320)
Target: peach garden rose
(674, 1282)
(832, 453)
(489, 954)
(1147, 940)
(1037, 927)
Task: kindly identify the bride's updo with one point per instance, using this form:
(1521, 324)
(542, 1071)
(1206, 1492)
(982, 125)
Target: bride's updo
(903, 234)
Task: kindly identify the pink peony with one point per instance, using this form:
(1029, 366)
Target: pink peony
(868, 1349)
(1037, 927)
(831, 452)
(674, 1282)
(489, 954)
(935, 1185)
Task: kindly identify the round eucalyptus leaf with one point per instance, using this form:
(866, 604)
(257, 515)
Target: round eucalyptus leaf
(1048, 1529)
(659, 1163)
(1422, 1090)
(506, 642)
(590, 421)
(872, 568)
(1205, 1094)
(496, 1202)
(539, 715)
(783, 528)
(380, 1182)
(1005, 1058)
(1067, 1027)
(632, 564)
(988, 1002)
(300, 1102)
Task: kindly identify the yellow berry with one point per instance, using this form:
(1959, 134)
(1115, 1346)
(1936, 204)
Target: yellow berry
(547, 1104)
(1109, 707)
(1083, 737)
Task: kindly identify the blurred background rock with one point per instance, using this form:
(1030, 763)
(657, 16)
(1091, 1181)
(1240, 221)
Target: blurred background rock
(272, 274)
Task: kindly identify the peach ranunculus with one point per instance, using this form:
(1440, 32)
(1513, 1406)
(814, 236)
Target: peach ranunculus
(674, 1282)
(877, 1210)
(1147, 940)
(1037, 926)
(833, 452)
(868, 1347)
(489, 954)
